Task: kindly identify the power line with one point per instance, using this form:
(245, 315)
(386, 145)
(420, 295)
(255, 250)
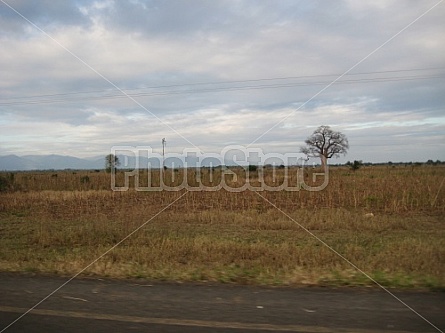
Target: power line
(228, 82)
(236, 88)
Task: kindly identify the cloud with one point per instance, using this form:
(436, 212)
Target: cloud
(43, 13)
(200, 68)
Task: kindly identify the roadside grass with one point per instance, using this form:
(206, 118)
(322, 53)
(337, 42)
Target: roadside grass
(235, 237)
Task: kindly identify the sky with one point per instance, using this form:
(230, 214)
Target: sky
(81, 77)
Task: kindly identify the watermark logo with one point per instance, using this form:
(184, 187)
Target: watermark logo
(234, 169)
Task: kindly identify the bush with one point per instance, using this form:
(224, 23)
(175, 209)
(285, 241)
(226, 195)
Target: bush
(7, 183)
(354, 165)
(84, 179)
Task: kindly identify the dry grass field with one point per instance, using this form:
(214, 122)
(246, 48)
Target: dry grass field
(60, 222)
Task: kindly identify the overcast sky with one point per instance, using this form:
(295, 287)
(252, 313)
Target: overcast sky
(85, 76)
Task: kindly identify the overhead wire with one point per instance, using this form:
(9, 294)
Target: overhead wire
(232, 81)
(37, 99)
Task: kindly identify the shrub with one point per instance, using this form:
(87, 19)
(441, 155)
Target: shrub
(7, 183)
(84, 179)
(354, 165)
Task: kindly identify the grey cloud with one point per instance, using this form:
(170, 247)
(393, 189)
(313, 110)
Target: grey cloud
(46, 14)
(154, 43)
(180, 19)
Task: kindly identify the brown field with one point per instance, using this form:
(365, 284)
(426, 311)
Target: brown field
(60, 222)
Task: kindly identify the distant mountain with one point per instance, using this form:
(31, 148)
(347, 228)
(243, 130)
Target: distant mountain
(13, 162)
(60, 162)
(47, 162)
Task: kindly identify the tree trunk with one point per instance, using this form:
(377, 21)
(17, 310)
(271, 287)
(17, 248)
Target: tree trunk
(324, 162)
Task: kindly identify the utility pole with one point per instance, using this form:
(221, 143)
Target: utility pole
(164, 143)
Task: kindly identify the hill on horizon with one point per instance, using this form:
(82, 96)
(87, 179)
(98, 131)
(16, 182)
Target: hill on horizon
(48, 162)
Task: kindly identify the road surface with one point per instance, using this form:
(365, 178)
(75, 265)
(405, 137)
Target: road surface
(96, 305)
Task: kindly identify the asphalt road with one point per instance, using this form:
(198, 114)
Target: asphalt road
(95, 305)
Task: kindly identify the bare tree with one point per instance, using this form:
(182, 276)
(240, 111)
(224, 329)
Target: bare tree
(111, 162)
(325, 143)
